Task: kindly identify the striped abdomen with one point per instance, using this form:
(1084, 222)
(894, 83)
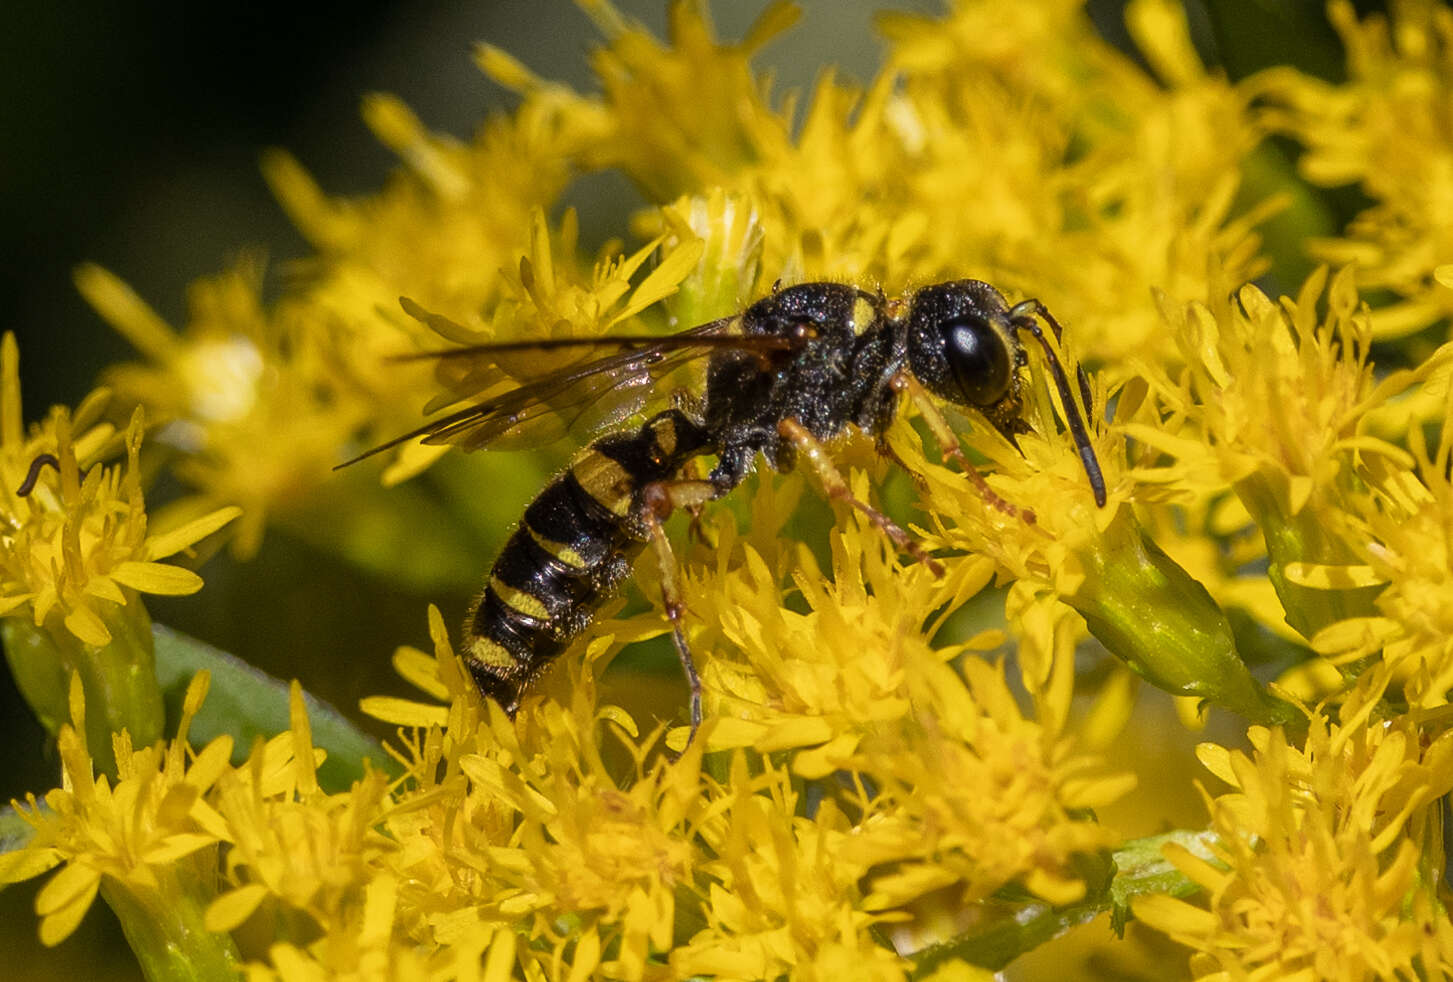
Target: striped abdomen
(572, 550)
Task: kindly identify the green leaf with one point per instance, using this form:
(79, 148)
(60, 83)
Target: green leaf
(247, 704)
(1141, 868)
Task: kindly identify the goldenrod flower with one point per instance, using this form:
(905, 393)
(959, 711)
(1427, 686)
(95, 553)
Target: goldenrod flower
(783, 896)
(905, 768)
(147, 842)
(248, 399)
(1386, 130)
(1317, 872)
(78, 541)
(307, 857)
(1402, 549)
(75, 557)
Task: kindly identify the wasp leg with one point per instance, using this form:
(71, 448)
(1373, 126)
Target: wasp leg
(948, 445)
(832, 481)
(660, 499)
(696, 530)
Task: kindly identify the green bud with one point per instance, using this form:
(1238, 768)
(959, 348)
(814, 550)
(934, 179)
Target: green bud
(1151, 614)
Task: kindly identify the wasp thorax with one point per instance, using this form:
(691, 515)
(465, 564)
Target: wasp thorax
(959, 345)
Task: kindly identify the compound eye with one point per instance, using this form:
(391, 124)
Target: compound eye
(978, 359)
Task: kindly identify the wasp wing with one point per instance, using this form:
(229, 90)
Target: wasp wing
(588, 395)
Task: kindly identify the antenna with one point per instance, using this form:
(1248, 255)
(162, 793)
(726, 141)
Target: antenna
(1022, 317)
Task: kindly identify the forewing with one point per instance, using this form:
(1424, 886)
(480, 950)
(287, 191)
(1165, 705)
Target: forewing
(581, 397)
(545, 409)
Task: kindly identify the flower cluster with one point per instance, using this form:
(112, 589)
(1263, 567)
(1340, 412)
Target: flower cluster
(1385, 129)
(911, 759)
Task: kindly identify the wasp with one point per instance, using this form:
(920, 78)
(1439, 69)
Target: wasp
(786, 375)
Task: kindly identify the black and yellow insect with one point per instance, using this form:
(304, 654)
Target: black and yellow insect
(791, 371)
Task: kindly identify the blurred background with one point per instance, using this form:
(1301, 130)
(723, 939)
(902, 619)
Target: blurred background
(131, 134)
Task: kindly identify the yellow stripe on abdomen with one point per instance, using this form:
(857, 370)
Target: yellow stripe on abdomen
(519, 600)
(606, 481)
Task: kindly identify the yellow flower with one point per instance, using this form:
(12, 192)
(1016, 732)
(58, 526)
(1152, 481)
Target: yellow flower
(978, 797)
(1022, 128)
(675, 117)
(1403, 550)
(1386, 130)
(78, 546)
(253, 405)
(1319, 873)
(782, 898)
(309, 858)
(530, 827)
(546, 299)
(440, 231)
(1037, 140)
(898, 774)
(78, 551)
(147, 842)
(825, 676)
(1279, 400)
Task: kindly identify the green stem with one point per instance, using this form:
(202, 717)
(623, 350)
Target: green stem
(169, 937)
(118, 679)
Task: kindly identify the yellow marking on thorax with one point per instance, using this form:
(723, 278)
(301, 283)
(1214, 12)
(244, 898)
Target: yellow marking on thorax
(606, 481)
(558, 550)
(519, 600)
(865, 315)
(490, 654)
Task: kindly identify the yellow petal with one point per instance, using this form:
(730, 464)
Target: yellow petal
(404, 712)
(165, 544)
(821, 761)
(104, 588)
(1216, 759)
(1058, 890)
(664, 279)
(620, 718)
(22, 865)
(797, 731)
(56, 927)
(294, 964)
(159, 578)
(76, 882)
(231, 909)
(1174, 917)
(499, 964)
(1355, 633)
(124, 310)
(84, 624)
(587, 957)
(728, 733)
(505, 69)
(378, 910)
(174, 847)
(210, 763)
(7, 604)
(419, 670)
